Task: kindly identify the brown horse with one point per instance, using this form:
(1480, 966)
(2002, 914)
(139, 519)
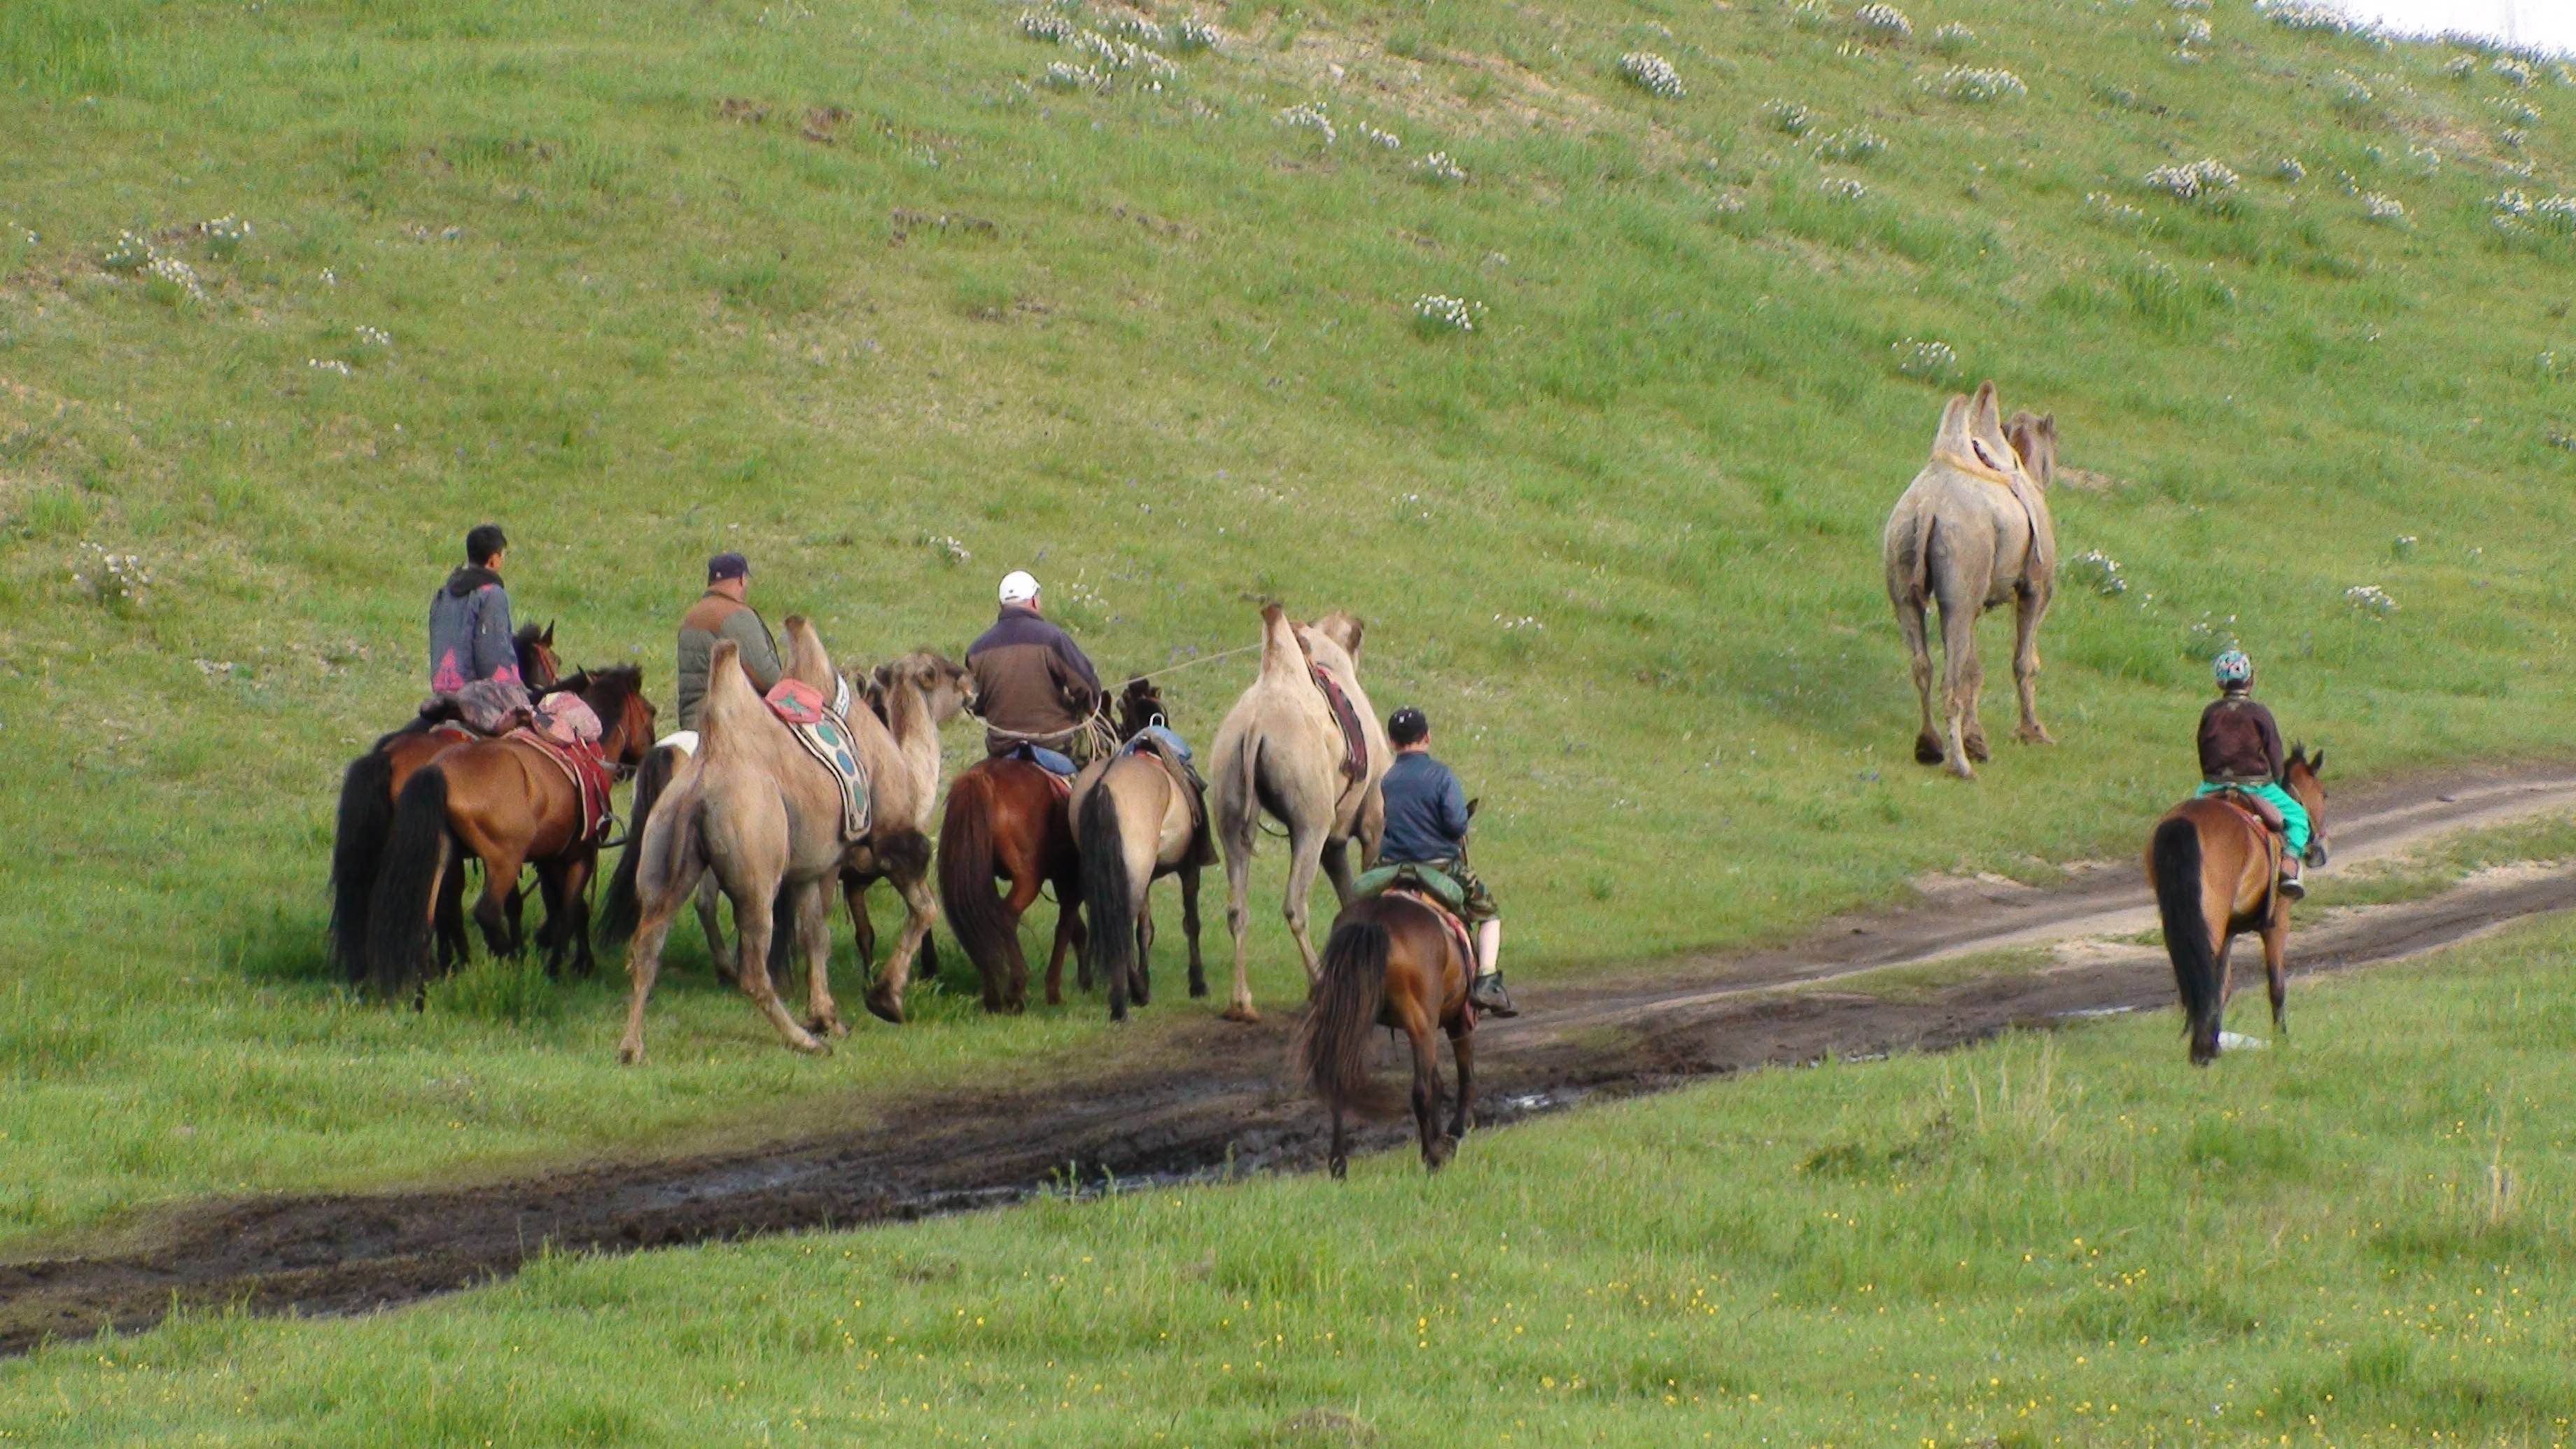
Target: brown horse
(1139, 815)
(368, 789)
(507, 803)
(2214, 869)
(1392, 961)
(1009, 820)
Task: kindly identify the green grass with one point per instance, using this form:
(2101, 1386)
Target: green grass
(1178, 367)
(2361, 1236)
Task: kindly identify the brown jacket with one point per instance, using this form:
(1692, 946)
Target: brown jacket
(2239, 743)
(715, 617)
(1030, 677)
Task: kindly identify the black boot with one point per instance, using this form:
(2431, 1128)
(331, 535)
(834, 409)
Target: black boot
(1490, 997)
(2291, 886)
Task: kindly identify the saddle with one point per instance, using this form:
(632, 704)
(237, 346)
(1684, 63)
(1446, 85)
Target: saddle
(825, 734)
(585, 767)
(2262, 811)
(1354, 738)
(1161, 744)
(1058, 765)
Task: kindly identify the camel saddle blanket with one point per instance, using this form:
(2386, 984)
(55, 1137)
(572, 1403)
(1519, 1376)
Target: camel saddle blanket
(825, 735)
(588, 771)
(1354, 738)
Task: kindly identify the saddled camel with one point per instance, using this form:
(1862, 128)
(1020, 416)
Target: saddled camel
(752, 807)
(1970, 533)
(1280, 752)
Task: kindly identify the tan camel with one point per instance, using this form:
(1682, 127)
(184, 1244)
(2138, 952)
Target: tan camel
(1971, 532)
(753, 808)
(1280, 752)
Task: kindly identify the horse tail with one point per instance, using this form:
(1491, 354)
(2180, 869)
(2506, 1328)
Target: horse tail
(2176, 854)
(415, 856)
(1332, 1046)
(966, 894)
(623, 908)
(1108, 895)
(357, 850)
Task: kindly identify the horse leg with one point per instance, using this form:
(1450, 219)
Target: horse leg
(577, 873)
(2028, 605)
(863, 932)
(1238, 886)
(492, 909)
(1462, 1045)
(1918, 651)
(1144, 982)
(1426, 1086)
(550, 936)
(921, 907)
(1336, 860)
(1338, 1159)
(1190, 928)
(1305, 852)
(814, 942)
(2276, 975)
(1011, 993)
(1068, 929)
(453, 947)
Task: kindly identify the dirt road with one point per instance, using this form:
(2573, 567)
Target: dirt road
(1234, 1111)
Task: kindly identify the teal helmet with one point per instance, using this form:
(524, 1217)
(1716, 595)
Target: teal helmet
(2234, 668)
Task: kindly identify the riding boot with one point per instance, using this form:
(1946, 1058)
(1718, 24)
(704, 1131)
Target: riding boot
(1488, 992)
(2291, 886)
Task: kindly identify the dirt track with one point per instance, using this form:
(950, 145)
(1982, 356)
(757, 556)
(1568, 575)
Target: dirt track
(1689, 1019)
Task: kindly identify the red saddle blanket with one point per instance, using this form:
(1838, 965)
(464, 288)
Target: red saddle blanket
(1354, 738)
(586, 768)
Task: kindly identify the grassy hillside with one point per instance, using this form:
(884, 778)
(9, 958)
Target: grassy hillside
(852, 287)
(2359, 1238)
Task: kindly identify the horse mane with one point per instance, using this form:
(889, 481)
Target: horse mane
(607, 691)
(1138, 704)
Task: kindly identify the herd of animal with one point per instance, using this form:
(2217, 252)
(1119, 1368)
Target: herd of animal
(750, 817)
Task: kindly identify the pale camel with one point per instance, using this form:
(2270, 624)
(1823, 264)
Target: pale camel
(1971, 532)
(752, 807)
(1280, 752)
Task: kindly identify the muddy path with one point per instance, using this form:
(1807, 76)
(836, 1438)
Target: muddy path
(1234, 1111)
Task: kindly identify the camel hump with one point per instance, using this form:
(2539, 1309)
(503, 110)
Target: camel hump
(806, 658)
(1282, 656)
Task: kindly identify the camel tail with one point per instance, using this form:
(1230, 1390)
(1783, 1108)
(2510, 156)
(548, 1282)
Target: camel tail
(623, 907)
(357, 852)
(1108, 895)
(966, 893)
(2177, 858)
(1918, 578)
(668, 854)
(406, 895)
(1332, 1047)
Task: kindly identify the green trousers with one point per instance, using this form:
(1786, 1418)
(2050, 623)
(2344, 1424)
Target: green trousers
(2294, 816)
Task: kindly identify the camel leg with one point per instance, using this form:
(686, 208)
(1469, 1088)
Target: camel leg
(813, 905)
(754, 919)
(1238, 886)
(863, 932)
(921, 907)
(1961, 676)
(1462, 1045)
(1190, 928)
(1918, 650)
(1336, 860)
(644, 959)
(1305, 853)
(711, 921)
(2028, 606)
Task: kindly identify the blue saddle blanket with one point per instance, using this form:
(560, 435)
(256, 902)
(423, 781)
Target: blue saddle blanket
(1054, 762)
(1179, 747)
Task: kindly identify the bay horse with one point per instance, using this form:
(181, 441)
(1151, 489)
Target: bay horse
(368, 789)
(507, 803)
(1138, 816)
(1012, 821)
(2215, 870)
(1394, 961)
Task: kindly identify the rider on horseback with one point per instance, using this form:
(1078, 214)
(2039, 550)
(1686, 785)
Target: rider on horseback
(473, 660)
(1033, 685)
(720, 613)
(2240, 750)
(1426, 824)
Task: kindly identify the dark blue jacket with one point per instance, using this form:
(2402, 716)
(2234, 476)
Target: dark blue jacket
(1426, 811)
(469, 632)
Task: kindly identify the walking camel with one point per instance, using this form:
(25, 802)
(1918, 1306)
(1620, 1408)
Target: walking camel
(1282, 752)
(765, 817)
(1970, 533)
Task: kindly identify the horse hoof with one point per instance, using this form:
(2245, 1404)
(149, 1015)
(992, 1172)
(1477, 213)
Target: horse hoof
(1341, 1168)
(1927, 750)
(1241, 1013)
(884, 1009)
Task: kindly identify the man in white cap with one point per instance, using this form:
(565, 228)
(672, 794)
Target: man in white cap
(1033, 685)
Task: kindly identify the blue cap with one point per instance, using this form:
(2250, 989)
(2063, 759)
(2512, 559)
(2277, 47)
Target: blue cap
(727, 565)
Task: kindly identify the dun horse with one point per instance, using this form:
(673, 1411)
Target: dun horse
(508, 803)
(368, 789)
(2215, 870)
(1391, 961)
(1281, 750)
(1139, 815)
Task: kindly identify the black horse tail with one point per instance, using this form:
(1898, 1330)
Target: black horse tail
(2176, 854)
(1332, 1046)
(357, 850)
(966, 894)
(1108, 896)
(415, 856)
(619, 913)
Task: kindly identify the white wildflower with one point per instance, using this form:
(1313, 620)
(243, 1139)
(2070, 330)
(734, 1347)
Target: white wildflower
(2512, 71)
(1980, 85)
(1309, 116)
(374, 336)
(1193, 35)
(1435, 312)
(1952, 38)
(2197, 180)
(329, 364)
(2289, 169)
(1376, 137)
(2460, 67)
(1857, 144)
(2310, 15)
(1651, 73)
(1063, 76)
(1843, 188)
(1439, 167)
(128, 253)
(1929, 360)
(2387, 210)
(2370, 599)
(1054, 29)
(1882, 22)
(2099, 572)
(174, 280)
(1787, 117)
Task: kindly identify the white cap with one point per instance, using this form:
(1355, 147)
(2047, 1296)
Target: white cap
(1018, 587)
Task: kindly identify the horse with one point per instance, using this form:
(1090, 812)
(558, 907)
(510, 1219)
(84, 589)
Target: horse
(1138, 816)
(368, 789)
(1392, 960)
(765, 818)
(1281, 750)
(2215, 872)
(1010, 820)
(508, 803)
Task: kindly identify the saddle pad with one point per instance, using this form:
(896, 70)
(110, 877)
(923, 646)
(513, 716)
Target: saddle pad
(583, 766)
(796, 702)
(568, 720)
(1056, 763)
(1354, 738)
(827, 739)
(1411, 878)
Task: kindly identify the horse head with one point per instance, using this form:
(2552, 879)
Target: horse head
(616, 695)
(539, 666)
(1139, 705)
(2299, 777)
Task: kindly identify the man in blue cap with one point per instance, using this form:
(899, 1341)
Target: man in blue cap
(1426, 824)
(720, 613)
